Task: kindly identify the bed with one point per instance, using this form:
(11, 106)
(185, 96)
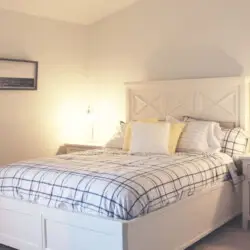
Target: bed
(54, 223)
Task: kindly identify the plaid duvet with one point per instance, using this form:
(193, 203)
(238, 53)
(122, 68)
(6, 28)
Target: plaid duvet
(112, 183)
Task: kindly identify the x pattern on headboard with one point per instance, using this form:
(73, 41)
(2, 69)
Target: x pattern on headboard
(220, 99)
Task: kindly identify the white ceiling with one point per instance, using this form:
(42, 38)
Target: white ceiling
(77, 11)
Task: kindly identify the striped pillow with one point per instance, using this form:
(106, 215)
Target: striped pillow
(234, 142)
(222, 124)
(194, 138)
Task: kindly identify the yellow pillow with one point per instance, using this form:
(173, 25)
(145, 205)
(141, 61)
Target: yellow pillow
(128, 133)
(175, 133)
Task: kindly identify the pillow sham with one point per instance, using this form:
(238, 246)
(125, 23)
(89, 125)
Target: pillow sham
(194, 138)
(234, 142)
(149, 137)
(200, 136)
(117, 139)
(176, 128)
(215, 136)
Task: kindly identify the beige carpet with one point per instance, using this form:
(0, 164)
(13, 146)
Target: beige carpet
(229, 237)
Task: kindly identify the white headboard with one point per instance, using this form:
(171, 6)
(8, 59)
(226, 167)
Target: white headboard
(219, 99)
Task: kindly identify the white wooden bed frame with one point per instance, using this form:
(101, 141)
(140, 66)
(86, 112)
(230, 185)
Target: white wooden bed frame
(28, 226)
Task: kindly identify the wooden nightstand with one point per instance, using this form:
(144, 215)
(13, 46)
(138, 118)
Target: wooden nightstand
(71, 148)
(246, 191)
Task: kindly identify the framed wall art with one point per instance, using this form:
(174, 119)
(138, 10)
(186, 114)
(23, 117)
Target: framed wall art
(18, 74)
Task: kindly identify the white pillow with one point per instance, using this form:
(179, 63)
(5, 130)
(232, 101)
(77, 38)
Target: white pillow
(150, 138)
(215, 135)
(194, 138)
(200, 136)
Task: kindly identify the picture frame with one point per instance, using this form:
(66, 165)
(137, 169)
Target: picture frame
(16, 74)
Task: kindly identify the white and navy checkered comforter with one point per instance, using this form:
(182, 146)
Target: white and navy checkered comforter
(112, 183)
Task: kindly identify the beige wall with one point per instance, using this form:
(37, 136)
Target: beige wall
(36, 123)
(165, 39)
(153, 39)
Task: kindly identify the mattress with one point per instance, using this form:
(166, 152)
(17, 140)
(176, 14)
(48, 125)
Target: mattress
(113, 183)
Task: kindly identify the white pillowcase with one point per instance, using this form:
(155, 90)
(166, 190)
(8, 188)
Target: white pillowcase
(150, 138)
(194, 138)
(215, 135)
(200, 136)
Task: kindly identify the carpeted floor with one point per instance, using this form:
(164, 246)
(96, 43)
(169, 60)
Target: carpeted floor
(228, 237)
